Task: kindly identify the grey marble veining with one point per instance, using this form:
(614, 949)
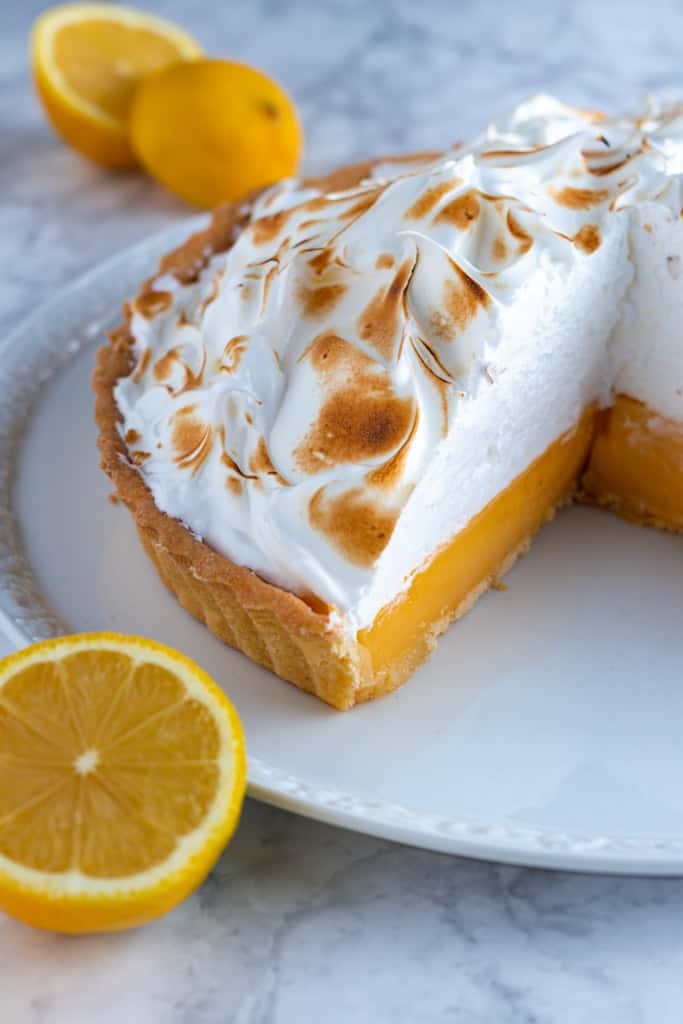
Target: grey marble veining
(302, 922)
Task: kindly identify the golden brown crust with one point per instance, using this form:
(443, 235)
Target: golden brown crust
(619, 506)
(273, 627)
(180, 558)
(290, 635)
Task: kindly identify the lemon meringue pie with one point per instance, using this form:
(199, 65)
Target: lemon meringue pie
(342, 411)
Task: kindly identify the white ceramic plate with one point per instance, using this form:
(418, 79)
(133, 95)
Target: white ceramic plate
(546, 730)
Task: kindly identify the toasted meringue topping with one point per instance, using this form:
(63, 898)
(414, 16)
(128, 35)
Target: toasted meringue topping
(286, 400)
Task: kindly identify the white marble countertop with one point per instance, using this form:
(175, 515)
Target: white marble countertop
(302, 922)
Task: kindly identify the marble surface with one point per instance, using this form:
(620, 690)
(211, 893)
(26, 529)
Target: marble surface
(301, 922)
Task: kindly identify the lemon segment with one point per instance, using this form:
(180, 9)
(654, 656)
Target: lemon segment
(122, 775)
(88, 59)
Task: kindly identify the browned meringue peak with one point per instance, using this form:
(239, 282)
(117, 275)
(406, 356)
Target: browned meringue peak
(354, 521)
(361, 418)
(328, 353)
(572, 167)
(331, 344)
(191, 438)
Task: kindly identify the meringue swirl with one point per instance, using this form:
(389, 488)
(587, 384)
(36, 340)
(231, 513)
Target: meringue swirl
(289, 403)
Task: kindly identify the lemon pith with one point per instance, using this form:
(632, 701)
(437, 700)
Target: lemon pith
(87, 59)
(116, 798)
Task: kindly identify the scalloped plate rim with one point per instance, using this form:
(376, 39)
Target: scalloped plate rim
(509, 844)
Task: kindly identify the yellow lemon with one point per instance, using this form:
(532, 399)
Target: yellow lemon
(122, 775)
(88, 59)
(211, 130)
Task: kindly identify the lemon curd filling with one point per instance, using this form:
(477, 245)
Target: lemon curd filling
(479, 553)
(636, 464)
(369, 390)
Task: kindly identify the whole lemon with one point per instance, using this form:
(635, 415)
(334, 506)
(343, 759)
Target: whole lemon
(211, 130)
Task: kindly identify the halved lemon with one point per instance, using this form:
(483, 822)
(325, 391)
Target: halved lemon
(122, 775)
(88, 59)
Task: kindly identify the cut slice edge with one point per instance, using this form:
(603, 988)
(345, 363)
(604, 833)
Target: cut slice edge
(74, 901)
